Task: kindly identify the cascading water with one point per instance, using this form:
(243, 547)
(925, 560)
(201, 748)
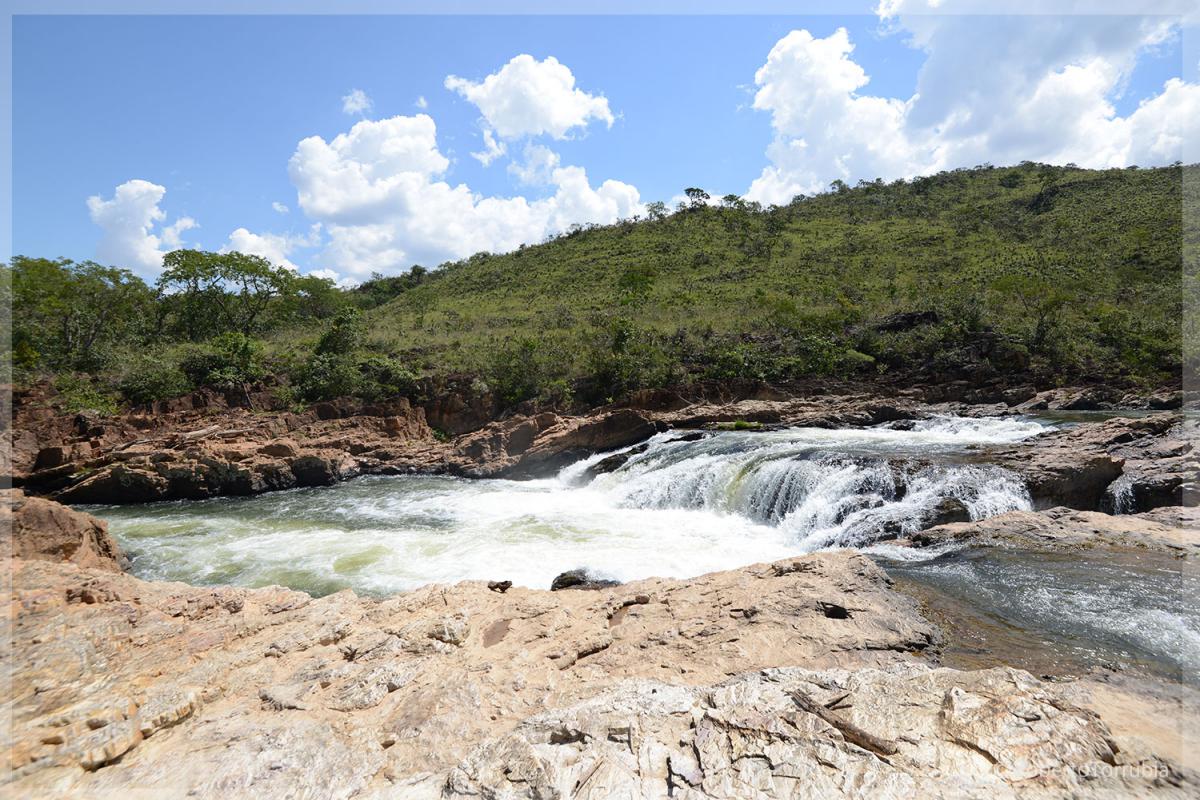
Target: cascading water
(679, 506)
(844, 490)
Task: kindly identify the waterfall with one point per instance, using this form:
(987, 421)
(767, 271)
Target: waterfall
(822, 488)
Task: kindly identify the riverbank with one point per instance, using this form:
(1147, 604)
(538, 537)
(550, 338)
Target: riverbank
(453, 690)
(202, 446)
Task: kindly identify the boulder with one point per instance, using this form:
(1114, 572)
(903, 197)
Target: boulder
(949, 510)
(580, 579)
(43, 529)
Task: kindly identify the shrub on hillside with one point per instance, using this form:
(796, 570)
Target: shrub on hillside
(149, 379)
(371, 377)
(225, 361)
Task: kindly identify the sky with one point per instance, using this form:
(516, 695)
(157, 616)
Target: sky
(349, 145)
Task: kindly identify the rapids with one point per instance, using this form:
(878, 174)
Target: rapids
(682, 504)
(677, 507)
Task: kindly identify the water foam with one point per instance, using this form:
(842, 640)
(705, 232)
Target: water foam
(675, 508)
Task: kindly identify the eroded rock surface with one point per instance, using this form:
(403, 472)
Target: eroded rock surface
(33, 528)
(1068, 529)
(116, 679)
(995, 733)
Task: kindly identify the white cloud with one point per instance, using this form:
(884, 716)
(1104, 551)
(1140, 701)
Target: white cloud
(331, 275)
(538, 166)
(279, 207)
(380, 193)
(274, 247)
(171, 235)
(527, 97)
(421, 103)
(356, 102)
(131, 223)
(1001, 89)
(491, 149)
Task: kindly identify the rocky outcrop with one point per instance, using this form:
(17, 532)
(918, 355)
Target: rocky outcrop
(1070, 530)
(800, 678)
(537, 446)
(1151, 457)
(42, 529)
(997, 733)
(237, 453)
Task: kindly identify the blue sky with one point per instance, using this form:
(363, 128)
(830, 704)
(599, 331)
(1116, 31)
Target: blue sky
(208, 111)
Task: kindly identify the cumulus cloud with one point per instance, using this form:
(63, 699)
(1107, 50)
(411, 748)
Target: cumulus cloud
(538, 165)
(379, 190)
(527, 97)
(1000, 90)
(421, 103)
(356, 102)
(274, 247)
(491, 149)
(131, 221)
(279, 207)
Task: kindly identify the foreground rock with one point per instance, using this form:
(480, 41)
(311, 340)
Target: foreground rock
(233, 691)
(651, 689)
(997, 733)
(33, 528)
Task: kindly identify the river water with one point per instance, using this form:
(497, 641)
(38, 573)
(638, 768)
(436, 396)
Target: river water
(679, 506)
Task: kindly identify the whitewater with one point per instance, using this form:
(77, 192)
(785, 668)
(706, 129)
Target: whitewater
(679, 506)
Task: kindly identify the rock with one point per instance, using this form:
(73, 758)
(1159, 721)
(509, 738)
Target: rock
(1066, 529)
(322, 470)
(1017, 395)
(282, 448)
(432, 673)
(906, 320)
(580, 579)
(116, 484)
(559, 446)
(950, 509)
(1153, 456)
(43, 529)
(499, 586)
(613, 462)
(1167, 400)
(994, 733)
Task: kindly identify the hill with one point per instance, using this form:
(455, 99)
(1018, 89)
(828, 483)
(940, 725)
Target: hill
(1025, 274)
(1031, 269)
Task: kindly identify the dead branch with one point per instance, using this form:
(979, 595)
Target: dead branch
(850, 732)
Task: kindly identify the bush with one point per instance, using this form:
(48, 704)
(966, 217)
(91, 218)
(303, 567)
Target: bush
(77, 393)
(381, 376)
(345, 335)
(151, 379)
(373, 377)
(327, 376)
(225, 361)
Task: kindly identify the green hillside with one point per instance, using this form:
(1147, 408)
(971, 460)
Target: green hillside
(1079, 270)
(1049, 274)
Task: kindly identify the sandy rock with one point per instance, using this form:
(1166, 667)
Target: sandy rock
(43, 529)
(213, 674)
(996, 733)
(1068, 529)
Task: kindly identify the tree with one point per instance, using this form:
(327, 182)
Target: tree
(209, 293)
(656, 210)
(68, 315)
(697, 197)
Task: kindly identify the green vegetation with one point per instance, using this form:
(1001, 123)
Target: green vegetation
(1053, 273)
